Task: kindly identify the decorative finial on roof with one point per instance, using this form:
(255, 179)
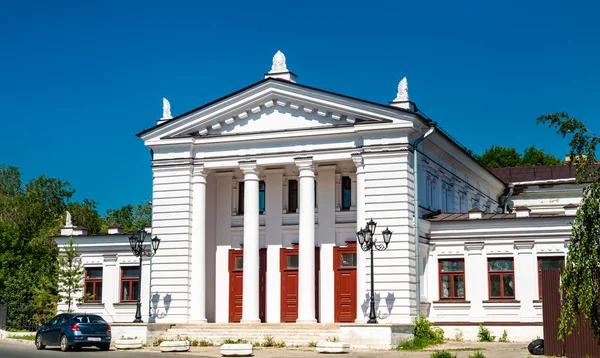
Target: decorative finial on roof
(166, 109)
(68, 221)
(279, 64)
(402, 90)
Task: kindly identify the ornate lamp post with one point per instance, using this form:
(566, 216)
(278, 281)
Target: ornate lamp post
(136, 241)
(368, 243)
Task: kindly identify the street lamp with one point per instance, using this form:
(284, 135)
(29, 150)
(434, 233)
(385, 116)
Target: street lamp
(136, 242)
(368, 243)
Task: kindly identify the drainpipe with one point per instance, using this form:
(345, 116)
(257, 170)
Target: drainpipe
(511, 189)
(432, 126)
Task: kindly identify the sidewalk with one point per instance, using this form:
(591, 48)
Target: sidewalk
(461, 349)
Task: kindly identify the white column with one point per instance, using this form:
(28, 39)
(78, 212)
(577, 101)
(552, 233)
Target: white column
(274, 209)
(251, 243)
(306, 237)
(326, 239)
(198, 252)
(361, 257)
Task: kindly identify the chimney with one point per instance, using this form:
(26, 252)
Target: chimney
(115, 230)
(279, 69)
(475, 213)
(522, 211)
(571, 209)
(79, 231)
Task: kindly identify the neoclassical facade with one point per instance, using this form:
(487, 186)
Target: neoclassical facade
(258, 195)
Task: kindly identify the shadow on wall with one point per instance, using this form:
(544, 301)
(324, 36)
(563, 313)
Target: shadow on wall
(389, 303)
(154, 311)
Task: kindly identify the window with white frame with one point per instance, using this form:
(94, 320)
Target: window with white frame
(447, 197)
(430, 197)
(462, 201)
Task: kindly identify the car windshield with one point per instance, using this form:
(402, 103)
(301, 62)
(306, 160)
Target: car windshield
(89, 319)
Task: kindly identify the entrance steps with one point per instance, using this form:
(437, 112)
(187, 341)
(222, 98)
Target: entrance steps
(290, 333)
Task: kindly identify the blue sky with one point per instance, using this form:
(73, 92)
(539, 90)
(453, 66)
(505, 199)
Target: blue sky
(78, 79)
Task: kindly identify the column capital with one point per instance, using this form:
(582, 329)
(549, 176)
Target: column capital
(248, 167)
(199, 173)
(306, 165)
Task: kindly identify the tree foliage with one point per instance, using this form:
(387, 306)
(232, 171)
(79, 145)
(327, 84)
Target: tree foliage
(580, 278)
(85, 214)
(70, 274)
(501, 157)
(130, 217)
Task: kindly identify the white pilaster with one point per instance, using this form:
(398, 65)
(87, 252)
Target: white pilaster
(326, 238)
(274, 183)
(306, 234)
(474, 261)
(251, 243)
(198, 252)
(223, 241)
(361, 259)
(526, 288)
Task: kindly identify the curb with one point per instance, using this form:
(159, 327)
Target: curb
(17, 341)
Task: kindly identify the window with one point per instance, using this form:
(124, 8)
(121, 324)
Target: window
(548, 263)
(346, 193)
(501, 277)
(462, 202)
(452, 278)
(239, 262)
(292, 196)
(93, 285)
(261, 196)
(348, 260)
(292, 261)
(447, 199)
(241, 198)
(130, 283)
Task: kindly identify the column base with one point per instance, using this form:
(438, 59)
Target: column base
(250, 320)
(306, 321)
(197, 321)
(360, 320)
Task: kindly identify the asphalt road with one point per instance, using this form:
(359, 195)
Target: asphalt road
(11, 350)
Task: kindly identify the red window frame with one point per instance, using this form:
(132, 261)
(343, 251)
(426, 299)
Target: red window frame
(501, 273)
(539, 267)
(96, 286)
(452, 274)
(130, 281)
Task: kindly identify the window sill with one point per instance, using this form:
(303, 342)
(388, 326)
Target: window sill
(125, 303)
(538, 301)
(502, 300)
(452, 300)
(91, 304)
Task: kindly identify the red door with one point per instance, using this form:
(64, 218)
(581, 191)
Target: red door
(289, 283)
(236, 280)
(344, 263)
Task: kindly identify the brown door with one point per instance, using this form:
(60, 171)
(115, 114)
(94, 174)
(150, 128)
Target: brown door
(236, 283)
(344, 263)
(289, 283)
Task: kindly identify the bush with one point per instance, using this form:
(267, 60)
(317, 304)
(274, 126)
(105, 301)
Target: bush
(442, 354)
(504, 337)
(484, 334)
(237, 341)
(459, 335)
(424, 335)
(477, 355)
(312, 344)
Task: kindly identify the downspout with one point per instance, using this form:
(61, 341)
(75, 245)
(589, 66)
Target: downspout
(432, 126)
(511, 189)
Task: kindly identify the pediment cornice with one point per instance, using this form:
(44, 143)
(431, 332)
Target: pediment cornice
(327, 108)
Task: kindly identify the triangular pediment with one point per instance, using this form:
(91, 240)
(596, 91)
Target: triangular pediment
(271, 106)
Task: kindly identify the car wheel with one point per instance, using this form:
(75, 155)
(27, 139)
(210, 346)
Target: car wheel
(104, 347)
(64, 343)
(38, 342)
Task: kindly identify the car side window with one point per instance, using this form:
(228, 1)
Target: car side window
(64, 319)
(55, 319)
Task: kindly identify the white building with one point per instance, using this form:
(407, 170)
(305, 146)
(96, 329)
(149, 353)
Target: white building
(271, 183)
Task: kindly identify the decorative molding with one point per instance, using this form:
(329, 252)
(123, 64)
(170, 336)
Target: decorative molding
(474, 247)
(523, 245)
(166, 109)
(402, 94)
(279, 63)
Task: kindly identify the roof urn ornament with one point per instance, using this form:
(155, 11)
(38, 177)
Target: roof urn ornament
(166, 109)
(402, 91)
(69, 220)
(279, 64)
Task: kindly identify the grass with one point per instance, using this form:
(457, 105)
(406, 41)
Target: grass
(28, 337)
(312, 344)
(237, 341)
(193, 342)
(442, 354)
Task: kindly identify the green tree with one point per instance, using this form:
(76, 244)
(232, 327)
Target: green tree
(499, 157)
(580, 278)
(130, 217)
(533, 156)
(70, 274)
(85, 214)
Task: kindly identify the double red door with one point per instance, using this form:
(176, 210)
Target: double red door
(236, 280)
(289, 283)
(344, 263)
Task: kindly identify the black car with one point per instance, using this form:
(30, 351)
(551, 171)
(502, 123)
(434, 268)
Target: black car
(74, 330)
